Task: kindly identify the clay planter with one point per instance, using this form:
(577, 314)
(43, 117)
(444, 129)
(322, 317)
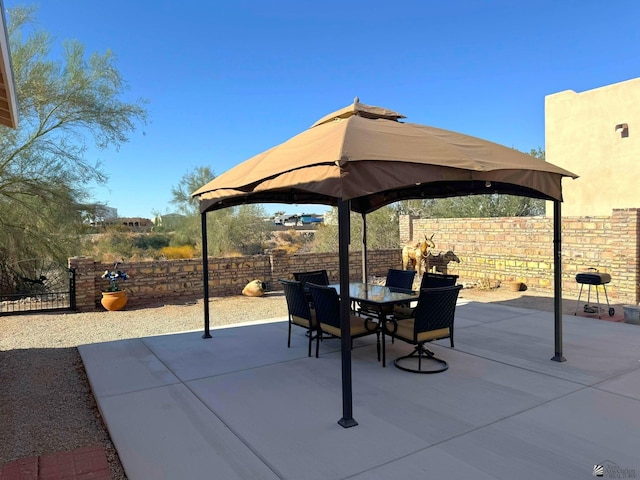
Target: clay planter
(515, 286)
(114, 300)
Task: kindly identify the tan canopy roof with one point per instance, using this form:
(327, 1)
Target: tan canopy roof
(364, 154)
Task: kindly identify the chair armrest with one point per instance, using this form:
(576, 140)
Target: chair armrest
(370, 324)
(394, 324)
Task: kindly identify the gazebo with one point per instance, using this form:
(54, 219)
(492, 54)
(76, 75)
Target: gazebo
(363, 157)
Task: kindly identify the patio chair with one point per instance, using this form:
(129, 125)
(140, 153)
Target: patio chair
(300, 313)
(429, 280)
(435, 280)
(327, 304)
(402, 279)
(433, 320)
(319, 277)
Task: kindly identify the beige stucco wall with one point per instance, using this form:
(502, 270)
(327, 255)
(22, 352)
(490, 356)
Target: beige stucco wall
(580, 136)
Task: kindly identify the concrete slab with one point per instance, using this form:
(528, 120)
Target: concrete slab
(166, 432)
(123, 366)
(562, 439)
(231, 349)
(559, 440)
(627, 384)
(594, 349)
(489, 312)
(271, 406)
(243, 405)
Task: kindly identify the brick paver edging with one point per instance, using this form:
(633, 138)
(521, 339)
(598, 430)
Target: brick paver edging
(88, 463)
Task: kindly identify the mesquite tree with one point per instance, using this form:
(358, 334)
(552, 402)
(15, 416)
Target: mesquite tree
(64, 106)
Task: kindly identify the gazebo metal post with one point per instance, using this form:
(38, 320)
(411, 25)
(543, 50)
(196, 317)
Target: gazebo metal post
(205, 273)
(365, 273)
(557, 279)
(344, 211)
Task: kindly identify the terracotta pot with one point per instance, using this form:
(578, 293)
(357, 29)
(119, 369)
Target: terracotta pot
(515, 286)
(114, 300)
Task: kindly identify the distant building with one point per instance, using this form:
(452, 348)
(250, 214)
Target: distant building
(297, 220)
(287, 220)
(97, 214)
(106, 212)
(311, 219)
(135, 224)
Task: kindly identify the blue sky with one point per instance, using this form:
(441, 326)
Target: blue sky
(229, 79)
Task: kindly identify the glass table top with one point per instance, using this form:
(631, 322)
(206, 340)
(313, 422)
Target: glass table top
(377, 294)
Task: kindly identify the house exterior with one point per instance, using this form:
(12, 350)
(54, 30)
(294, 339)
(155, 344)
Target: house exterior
(294, 220)
(8, 98)
(596, 135)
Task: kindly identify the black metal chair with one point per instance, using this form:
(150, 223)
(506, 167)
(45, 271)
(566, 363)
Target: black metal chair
(400, 278)
(429, 280)
(327, 306)
(433, 320)
(319, 277)
(435, 280)
(300, 313)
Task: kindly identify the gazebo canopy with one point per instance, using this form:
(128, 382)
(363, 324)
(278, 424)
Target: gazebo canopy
(364, 154)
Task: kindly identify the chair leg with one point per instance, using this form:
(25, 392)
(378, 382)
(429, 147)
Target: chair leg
(384, 350)
(421, 352)
(310, 341)
(289, 339)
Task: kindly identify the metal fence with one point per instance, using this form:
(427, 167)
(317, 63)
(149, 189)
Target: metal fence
(37, 288)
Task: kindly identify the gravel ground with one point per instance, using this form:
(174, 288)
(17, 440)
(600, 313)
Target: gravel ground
(46, 403)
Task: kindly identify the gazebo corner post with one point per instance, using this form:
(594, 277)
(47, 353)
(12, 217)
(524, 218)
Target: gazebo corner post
(344, 211)
(557, 280)
(365, 273)
(205, 273)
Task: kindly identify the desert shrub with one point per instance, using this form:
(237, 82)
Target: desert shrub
(151, 241)
(183, 251)
(109, 245)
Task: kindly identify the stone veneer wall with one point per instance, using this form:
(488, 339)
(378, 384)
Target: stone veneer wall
(494, 249)
(175, 281)
(521, 248)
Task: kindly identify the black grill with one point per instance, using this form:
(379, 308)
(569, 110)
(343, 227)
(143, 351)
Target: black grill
(593, 277)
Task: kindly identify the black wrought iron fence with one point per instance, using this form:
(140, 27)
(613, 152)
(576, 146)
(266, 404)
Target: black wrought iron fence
(35, 286)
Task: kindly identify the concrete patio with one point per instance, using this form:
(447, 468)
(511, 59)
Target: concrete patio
(243, 406)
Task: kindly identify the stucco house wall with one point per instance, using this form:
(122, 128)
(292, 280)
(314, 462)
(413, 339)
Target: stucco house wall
(581, 136)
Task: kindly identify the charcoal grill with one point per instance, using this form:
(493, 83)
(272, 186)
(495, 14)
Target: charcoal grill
(593, 278)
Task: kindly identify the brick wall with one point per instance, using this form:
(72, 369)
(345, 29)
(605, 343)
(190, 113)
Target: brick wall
(174, 281)
(521, 248)
(497, 249)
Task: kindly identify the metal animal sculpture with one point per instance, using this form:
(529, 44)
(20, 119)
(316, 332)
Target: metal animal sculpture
(439, 262)
(416, 254)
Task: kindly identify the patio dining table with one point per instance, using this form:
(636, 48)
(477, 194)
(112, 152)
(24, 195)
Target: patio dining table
(379, 298)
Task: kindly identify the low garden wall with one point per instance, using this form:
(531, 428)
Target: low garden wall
(175, 281)
(490, 249)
